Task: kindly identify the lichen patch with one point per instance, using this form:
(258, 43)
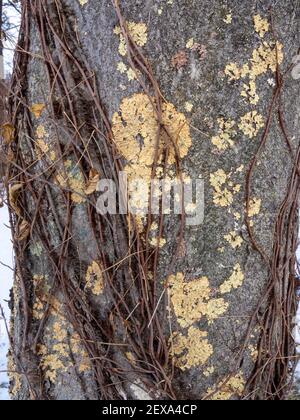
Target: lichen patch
(135, 128)
(226, 134)
(137, 31)
(193, 350)
(224, 189)
(251, 124)
(235, 281)
(234, 387)
(192, 300)
(94, 279)
(254, 207)
(261, 25)
(234, 239)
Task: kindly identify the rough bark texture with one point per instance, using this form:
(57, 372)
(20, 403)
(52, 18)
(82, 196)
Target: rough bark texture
(210, 312)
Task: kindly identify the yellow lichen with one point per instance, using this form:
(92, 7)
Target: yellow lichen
(94, 279)
(193, 350)
(122, 68)
(228, 19)
(223, 194)
(237, 215)
(190, 43)
(192, 300)
(188, 106)
(59, 357)
(261, 25)
(254, 207)
(83, 2)
(37, 109)
(266, 57)
(135, 129)
(251, 124)
(130, 357)
(233, 71)
(249, 92)
(131, 75)
(137, 31)
(234, 239)
(226, 132)
(235, 281)
(14, 377)
(253, 352)
(234, 387)
(209, 371)
(154, 242)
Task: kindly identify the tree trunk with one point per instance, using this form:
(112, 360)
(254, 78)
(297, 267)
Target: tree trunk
(116, 306)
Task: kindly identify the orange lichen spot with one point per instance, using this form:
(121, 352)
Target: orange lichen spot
(261, 25)
(192, 300)
(226, 133)
(94, 279)
(180, 60)
(251, 124)
(38, 109)
(226, 390)
(235, 281)
(193, 350)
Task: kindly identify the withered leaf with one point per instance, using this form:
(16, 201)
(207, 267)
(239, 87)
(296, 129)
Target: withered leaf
(13, 197)
(7, 132)
(37, 109)
(24, 231)
(94, 178)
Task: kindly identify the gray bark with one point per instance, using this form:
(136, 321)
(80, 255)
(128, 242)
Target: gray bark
(224, 358)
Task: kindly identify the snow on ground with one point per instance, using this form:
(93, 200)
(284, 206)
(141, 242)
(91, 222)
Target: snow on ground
(6, 278)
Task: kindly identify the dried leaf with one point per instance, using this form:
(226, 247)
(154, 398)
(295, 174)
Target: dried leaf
(37, 109)
(93, 182)
(24, 231)
(7, 132)
(13, 197)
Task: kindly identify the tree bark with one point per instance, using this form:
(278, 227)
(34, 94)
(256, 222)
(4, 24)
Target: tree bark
(122, 307)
